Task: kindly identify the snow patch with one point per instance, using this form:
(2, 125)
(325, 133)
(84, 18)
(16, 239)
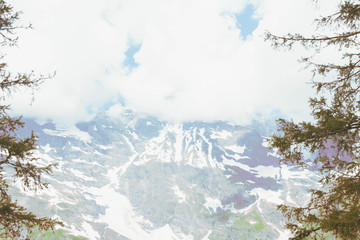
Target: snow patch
(261, 171)
(70, 132)
(90, 232)
(179, 193)
(206, 237)
(84, 161)
(267, 195)
(268, 171)
(166, 232)
(119, 214)
(290, 200)
(120, 217)
(47, 148)
(104, 147)
(134, 135)
(179, 138)
(127, 164)
(212, 203)
(101, 154)
(75, 231)
(129, 143)
(236, 164)
(212, 161)
(237, 149)
(74, 148)
(294, 173)
(81, 175)
(222, 135)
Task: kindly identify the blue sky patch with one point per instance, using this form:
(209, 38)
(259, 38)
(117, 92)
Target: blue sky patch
(129, 59)
(245, 21)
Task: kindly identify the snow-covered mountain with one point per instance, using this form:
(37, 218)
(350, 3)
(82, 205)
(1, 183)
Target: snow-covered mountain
(122, 176)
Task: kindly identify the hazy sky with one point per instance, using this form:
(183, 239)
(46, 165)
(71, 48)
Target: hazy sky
(174, 59)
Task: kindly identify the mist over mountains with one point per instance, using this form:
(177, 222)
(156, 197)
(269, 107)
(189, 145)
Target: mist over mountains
(122, 176)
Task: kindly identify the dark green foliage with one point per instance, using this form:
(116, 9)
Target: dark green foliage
(16, 155)
(333, 135)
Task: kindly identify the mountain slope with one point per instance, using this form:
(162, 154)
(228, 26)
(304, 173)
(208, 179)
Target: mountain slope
(121, 176)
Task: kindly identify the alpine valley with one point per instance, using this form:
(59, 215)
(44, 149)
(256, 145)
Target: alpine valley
(124, 176)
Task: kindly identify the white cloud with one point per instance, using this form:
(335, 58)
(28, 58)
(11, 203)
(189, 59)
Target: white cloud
(73, 38)
(192, 63)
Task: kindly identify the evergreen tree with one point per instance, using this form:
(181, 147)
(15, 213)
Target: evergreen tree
(17, 159)
(333, 136)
